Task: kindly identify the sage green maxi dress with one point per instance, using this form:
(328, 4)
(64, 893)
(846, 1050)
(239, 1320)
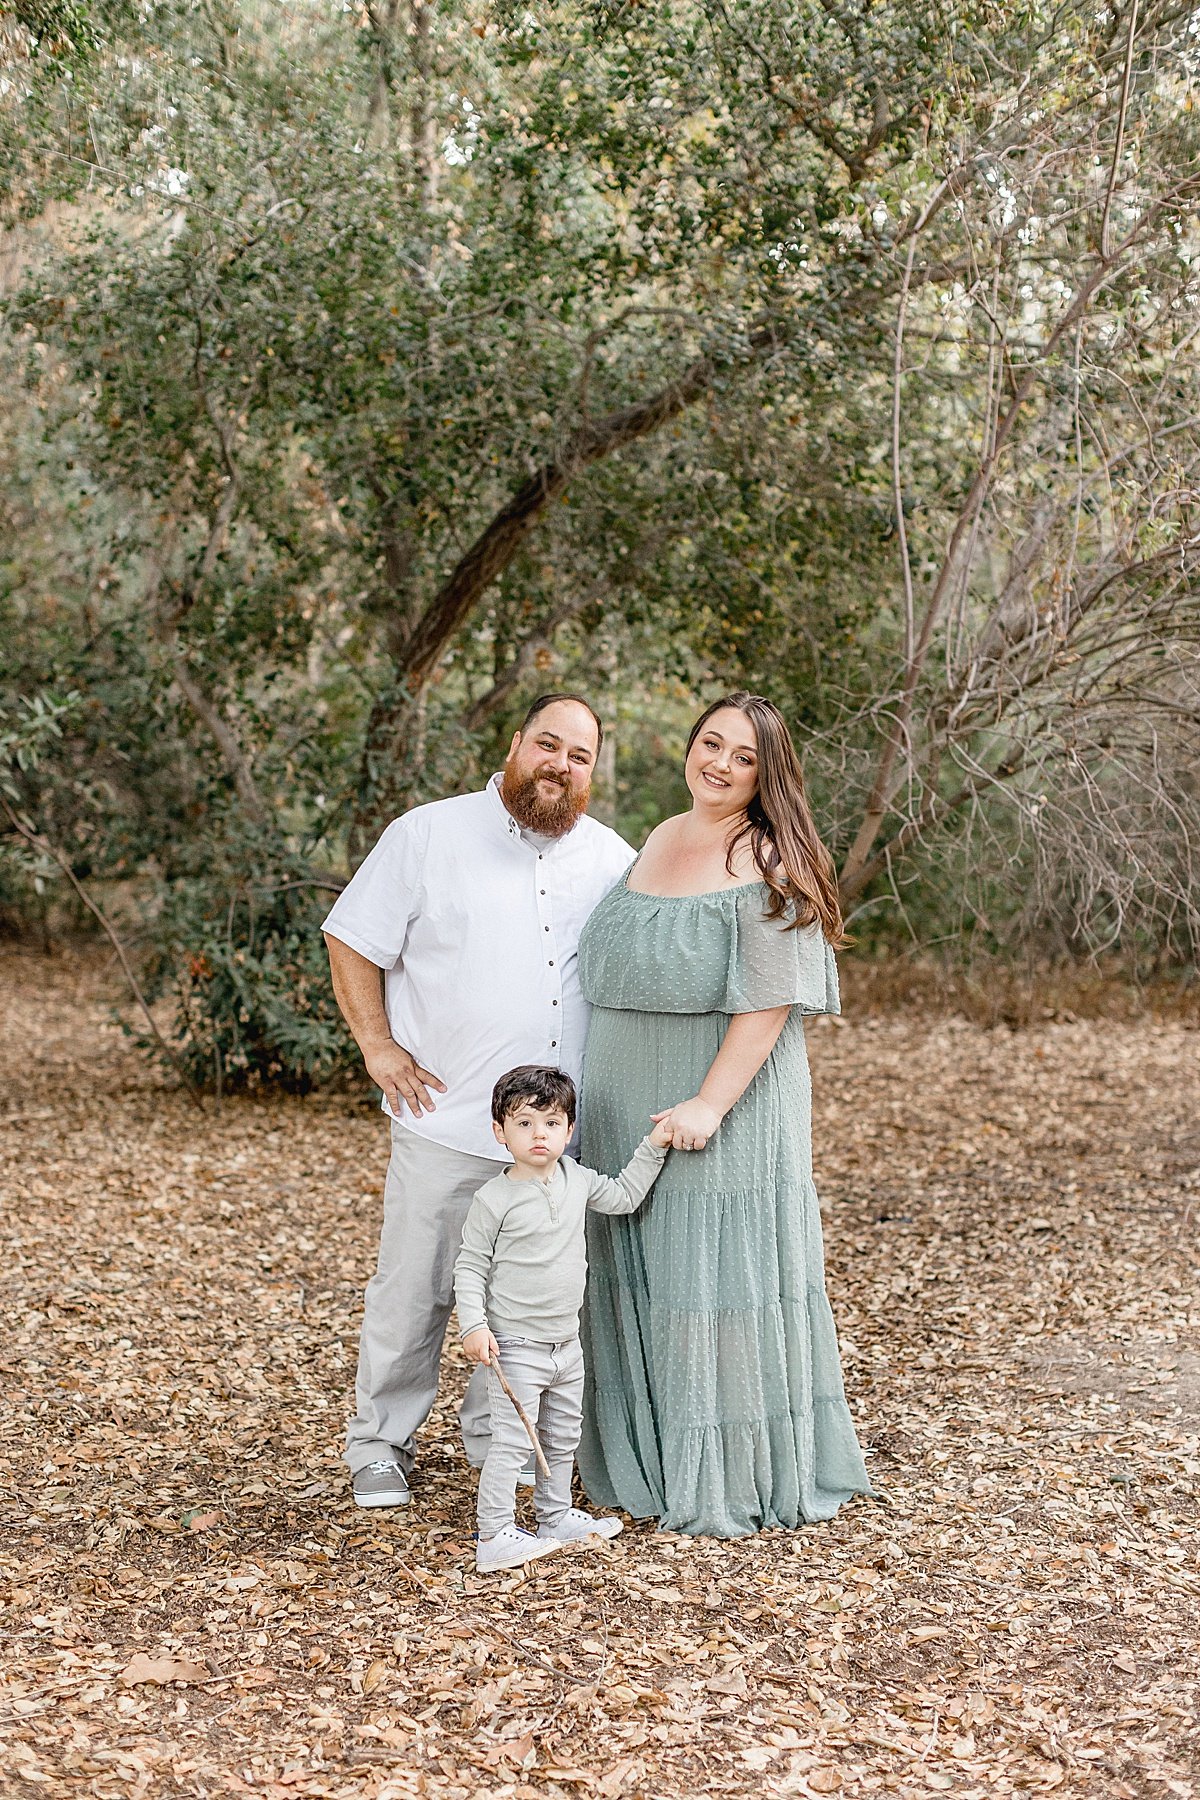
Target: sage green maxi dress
(714, 1395)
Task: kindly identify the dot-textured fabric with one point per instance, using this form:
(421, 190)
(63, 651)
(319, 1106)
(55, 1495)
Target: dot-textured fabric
(714, 1397)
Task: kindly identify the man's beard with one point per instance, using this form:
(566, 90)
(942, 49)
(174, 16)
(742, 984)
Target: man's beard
(533, 812)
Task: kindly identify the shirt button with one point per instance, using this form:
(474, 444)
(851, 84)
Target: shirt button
(554, 1043)
(551, 964)
(554, 1003)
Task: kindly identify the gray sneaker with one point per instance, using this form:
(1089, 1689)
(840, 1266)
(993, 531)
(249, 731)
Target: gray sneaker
(381, 1484)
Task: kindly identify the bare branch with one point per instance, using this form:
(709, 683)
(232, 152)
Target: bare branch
(1119, 142)
(882, 788)
(935, 810)
(223, 734)
(897, 484)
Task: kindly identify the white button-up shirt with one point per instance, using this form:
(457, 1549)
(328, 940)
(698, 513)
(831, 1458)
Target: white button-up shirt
(477, 927)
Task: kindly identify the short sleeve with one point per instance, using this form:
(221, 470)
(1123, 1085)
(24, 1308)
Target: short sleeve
(373, 913)
(770, 966)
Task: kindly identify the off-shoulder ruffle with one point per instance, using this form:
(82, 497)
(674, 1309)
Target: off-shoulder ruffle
(703, 953)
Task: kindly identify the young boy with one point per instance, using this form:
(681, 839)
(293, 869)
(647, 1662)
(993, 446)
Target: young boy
(518, 1286)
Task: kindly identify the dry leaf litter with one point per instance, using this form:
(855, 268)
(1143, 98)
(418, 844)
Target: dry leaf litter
(193, 1607)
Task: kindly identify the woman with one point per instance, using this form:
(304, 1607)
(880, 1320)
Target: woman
(715, 1396)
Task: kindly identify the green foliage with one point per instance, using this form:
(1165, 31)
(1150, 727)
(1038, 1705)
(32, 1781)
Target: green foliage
(29, 732)
(300, 302)
(244, 965)
(25, 733)
(56, 28)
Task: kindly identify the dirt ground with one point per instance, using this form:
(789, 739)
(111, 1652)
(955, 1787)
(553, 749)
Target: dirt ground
(193, 1608)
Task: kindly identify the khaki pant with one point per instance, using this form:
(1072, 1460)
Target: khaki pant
(409, 1300)
(548, 1381)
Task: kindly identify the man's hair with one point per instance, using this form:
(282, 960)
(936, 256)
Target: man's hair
(545, 700)
(533, 1085)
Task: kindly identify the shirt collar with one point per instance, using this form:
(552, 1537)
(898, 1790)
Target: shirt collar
(558, 1176)
(499, 813)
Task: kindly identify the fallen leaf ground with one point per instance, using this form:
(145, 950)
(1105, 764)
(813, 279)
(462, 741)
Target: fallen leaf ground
(194, 1609)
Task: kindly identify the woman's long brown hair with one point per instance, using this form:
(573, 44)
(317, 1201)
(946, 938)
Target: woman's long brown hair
(788, 854)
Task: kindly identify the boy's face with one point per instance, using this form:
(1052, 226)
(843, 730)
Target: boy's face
(534, 1135)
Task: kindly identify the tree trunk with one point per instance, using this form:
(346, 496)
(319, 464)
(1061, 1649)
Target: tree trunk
(604, 782)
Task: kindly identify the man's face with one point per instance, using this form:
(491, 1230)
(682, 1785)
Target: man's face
(548, 769)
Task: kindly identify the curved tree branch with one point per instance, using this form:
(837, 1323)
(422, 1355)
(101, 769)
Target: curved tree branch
(499, 542)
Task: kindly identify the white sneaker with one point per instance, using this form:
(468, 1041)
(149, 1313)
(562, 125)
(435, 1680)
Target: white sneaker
(512, 1548)
(576, 1524)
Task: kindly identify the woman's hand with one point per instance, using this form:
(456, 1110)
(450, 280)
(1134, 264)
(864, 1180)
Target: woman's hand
(691, 1123)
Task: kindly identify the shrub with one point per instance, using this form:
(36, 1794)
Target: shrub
(249, 979)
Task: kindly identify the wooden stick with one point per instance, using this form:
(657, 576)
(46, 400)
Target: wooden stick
(543, 1465)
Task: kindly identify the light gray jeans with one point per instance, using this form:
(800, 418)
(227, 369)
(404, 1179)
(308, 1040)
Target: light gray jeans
(548, 1381)
(409, 1300)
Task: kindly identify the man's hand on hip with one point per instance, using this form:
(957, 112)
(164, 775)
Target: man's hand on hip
(403, 1080)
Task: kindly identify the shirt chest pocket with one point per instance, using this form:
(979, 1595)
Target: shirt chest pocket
(572, 901)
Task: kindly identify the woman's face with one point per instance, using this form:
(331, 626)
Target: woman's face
(722, 765)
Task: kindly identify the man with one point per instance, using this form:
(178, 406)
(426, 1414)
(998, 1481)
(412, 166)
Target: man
(472, 908)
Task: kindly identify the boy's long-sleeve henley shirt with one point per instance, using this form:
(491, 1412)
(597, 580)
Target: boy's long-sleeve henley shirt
(523, 1262)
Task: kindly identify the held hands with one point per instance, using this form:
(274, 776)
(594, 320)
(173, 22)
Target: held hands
(403, 1080)
(687, 1126)
(481, 1346)
(660, 1137)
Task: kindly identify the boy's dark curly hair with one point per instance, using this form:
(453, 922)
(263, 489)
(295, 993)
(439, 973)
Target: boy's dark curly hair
(533, 1085)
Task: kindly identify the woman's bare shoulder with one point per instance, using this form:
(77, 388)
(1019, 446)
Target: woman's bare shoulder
(743, 863)
(664, 832)
(658, 850)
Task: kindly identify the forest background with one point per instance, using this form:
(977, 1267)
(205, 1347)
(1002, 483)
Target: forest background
(369, 368)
